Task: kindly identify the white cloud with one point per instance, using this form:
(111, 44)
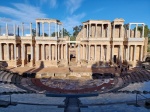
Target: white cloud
(22, 12)
(72, 21)
(73, 5)
(52, 3)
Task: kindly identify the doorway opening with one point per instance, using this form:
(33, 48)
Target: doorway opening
(115, 58)
(29, 57)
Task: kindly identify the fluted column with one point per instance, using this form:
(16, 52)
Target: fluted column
(31, 29)
(1, 51)
(89, 51)
(134, 52)
(95, 30)
(141, 56)
(50, 52)
(87, 31)
(43, 29)
(112, 52)
(8, 52)
(121, 53)
(108, 53)
(49, 29)
(22, 29)
(86, 51)
(43, 52)
(95, 52)
(102, 31)
(56, 52)
(15, 52)
(23, 54)
(37, 52)
(6, 29)
(83, 52)
(143, 31)
(108, 30)
(66, 51)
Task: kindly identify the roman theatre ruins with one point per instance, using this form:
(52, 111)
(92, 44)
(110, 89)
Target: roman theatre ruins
(100, 42)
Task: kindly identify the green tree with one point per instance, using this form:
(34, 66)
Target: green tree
(65, 33)
(146, 30)
(76, 30)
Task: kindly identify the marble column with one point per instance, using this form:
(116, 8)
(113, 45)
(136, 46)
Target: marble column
(66, 51)
(14, 30)
(23, 54)
(136, 31)
(43, 29)
(56, 52)
(102, 31)
(86, 51)
(129, 31)
(37, 52)
(113, 31)
(108, 30)
(95, 52)
(83, 51)
(112, 52)
(0, 51)
(83, 31)
(58, 29)
(50, 52)
(143, 31)
(95, 30)
(87, 31)
(15, 52)
(141, 55)
(134, 52)
(6, 29)
(89, 51)
(108, 53)
(22, 29)
(43, 52)
(31, 51)
(36, 29)
(31, 29)
(49, 29)
(8, 52)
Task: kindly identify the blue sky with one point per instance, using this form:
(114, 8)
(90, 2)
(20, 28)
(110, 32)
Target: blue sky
(74, 12)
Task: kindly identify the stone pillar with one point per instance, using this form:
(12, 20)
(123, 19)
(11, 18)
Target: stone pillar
(89, 51)
(95, 52)
(55, 30)
(89, 31)
(112, 52)
(62, 31)
(14, 30)
(19, 52)
(0, 51)
(15, 52)
(66, 51)
(129, 31)
(128, 53)
(78, 52)
(56, 52)
(108, 53)
(50, 52)
(113, 30)
(134, 52)
(58, 30)
(23, 54)
(136, 31)
(108, 30)
(36, 29)
(49, 29)
(83, 31)
(22, 29)
(37, 52)
(141, 55)
(143, 31)
(8, 51)
(121, 31)
(43, 29)
(6, 29)
(31, 29)
(31, 55)
(83, 52)
(43, 52)
(121, 52)
(102, 31)
(95, 30)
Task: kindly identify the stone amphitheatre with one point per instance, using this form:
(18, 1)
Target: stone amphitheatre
(105, 57)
